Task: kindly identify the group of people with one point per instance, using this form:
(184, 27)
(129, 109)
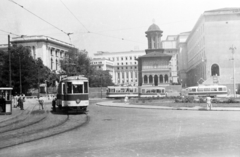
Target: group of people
(19, 101)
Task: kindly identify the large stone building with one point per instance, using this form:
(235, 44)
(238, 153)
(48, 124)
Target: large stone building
(125, 71)
(50, 50)
(207, 51)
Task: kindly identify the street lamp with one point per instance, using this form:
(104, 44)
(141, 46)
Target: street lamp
(234, 88)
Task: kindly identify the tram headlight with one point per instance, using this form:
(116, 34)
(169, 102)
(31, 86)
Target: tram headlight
(78, 101)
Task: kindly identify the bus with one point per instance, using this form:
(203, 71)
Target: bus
(211, 90)
(73, 93)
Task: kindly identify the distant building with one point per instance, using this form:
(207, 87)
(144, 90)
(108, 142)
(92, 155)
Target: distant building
(105, 65)
(207, 52)
(125, 71)
(50, 50)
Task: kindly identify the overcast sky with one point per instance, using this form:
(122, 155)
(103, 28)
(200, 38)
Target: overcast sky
(103, 25)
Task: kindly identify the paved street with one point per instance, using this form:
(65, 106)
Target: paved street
(115, 132)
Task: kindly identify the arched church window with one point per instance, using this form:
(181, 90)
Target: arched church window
(145, 79)
(161, 79)
(166, 78)
(215, 70)
(150, 79)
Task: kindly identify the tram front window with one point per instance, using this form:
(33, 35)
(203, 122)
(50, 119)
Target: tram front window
(77, 88)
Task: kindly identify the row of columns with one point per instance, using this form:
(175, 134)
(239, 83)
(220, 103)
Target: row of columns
(57, 52)
(122, 77)
(154, 41)
(160, 78)
(55, 56)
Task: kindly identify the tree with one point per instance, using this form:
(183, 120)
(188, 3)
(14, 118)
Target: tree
(24, 70)
(79, 63)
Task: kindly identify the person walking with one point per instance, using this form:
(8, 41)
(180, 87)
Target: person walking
(209, 102)
(20, 102)
(41, 101)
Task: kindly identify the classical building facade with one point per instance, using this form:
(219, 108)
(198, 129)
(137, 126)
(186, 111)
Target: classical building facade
(158, 66)
(211, 47)
(125, 71)
(105, 65)
(50, 50)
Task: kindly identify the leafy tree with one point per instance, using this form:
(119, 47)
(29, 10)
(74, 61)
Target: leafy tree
(79, 63)
(24, 68)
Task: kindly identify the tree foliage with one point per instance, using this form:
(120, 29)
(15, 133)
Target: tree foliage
(25, 70)
(79, 63)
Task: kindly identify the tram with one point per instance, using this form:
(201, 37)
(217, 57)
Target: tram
(211, 90)
(135, 91)
(153, 91)
(121, 91)
(73, 93)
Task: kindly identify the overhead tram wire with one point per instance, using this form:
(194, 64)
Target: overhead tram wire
(9, 33)
(39, 17)
(95, 32)
(74, 16)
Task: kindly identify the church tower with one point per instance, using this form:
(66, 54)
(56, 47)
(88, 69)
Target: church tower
(153, 68)
(153, 35)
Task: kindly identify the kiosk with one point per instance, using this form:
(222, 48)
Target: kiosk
(6, 93)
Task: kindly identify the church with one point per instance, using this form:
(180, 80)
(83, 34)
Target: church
(158, 66)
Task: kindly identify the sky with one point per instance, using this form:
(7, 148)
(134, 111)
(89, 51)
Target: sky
(102, 25)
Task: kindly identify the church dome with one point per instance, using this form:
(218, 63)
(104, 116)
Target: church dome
(153, 27)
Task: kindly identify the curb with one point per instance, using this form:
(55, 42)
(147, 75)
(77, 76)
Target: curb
(110, 104)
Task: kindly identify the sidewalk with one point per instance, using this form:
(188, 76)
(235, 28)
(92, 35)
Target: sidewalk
(196, 108)
(28, 106)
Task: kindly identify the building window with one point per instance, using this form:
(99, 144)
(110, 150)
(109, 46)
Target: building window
(121, 58)
(215, 70)
(166, 78)
(56, 64)
(145, 79)
(99, 67)
(126, 58)
(51, 64)
(150, 79)
(126, 63)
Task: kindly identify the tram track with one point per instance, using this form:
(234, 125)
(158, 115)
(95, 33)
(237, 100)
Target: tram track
(41, 132)
(17, 118)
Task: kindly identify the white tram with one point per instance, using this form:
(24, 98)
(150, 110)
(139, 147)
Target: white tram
(153, 91)
(121, 91)
(135, 91)
(211, 90)
(73, 93)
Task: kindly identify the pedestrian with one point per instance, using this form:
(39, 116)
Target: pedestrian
(2, 103)
(41, 101)
(16, 100)
(54, 105)
(209, 103)
(20, 102)
(126, 99)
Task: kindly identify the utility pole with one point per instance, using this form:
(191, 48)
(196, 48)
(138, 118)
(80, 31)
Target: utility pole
(234, 88)
(10, 69)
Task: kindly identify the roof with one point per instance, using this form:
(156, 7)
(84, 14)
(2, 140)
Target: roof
(224, 9)
(153, 28)
(156, 54)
